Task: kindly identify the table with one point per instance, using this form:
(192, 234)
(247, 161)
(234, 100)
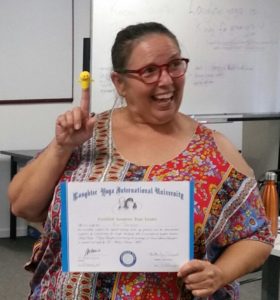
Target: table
(18, 157)
(270, 274)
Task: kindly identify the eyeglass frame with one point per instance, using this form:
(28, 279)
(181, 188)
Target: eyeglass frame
(138, 71)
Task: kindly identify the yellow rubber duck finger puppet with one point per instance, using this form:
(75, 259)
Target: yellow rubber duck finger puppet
(85, 79)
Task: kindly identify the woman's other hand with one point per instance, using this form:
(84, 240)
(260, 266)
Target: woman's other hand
(74, 127)
(201, 277)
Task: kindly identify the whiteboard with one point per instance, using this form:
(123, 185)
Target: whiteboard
(36, 49)
(233, 47)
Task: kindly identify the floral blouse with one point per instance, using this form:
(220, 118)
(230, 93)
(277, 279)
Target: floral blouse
(227, 208)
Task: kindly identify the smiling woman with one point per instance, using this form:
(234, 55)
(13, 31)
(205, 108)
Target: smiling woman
(147, 140)
(36, 51)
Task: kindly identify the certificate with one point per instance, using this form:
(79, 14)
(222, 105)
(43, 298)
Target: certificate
(126, 226)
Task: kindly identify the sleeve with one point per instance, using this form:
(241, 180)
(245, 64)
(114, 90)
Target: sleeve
(237, 213)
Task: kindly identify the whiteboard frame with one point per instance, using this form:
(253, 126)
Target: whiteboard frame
(69, 90)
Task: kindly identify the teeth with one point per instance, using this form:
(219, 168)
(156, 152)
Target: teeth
(165, 96)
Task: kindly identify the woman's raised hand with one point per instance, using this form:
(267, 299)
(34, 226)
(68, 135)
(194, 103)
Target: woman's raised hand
(75, 126)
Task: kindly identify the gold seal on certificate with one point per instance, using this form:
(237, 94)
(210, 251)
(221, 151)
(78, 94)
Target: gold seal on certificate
(126, 226)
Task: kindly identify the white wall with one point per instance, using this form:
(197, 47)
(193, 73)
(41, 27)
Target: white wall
(31, 126)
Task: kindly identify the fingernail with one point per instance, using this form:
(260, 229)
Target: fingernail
(92, 114)
(77, 126)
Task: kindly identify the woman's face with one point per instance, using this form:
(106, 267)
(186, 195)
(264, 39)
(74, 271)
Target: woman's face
(155, 103)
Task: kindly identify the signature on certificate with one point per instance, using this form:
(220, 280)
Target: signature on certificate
(89, 251)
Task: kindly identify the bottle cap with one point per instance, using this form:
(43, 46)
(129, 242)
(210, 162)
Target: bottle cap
(270, 176)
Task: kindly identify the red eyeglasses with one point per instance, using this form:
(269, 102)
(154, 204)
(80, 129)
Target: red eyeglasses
(152, 73)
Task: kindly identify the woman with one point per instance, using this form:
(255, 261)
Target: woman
(149, 139)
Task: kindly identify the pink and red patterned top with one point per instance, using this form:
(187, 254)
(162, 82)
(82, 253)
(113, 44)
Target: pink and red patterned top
(227, 208)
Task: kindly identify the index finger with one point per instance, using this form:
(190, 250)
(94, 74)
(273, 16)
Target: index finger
(85, 100)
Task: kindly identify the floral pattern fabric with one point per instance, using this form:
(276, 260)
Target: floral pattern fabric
(227, 206)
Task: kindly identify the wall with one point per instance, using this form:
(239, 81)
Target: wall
(32, 126)
(261, 142)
